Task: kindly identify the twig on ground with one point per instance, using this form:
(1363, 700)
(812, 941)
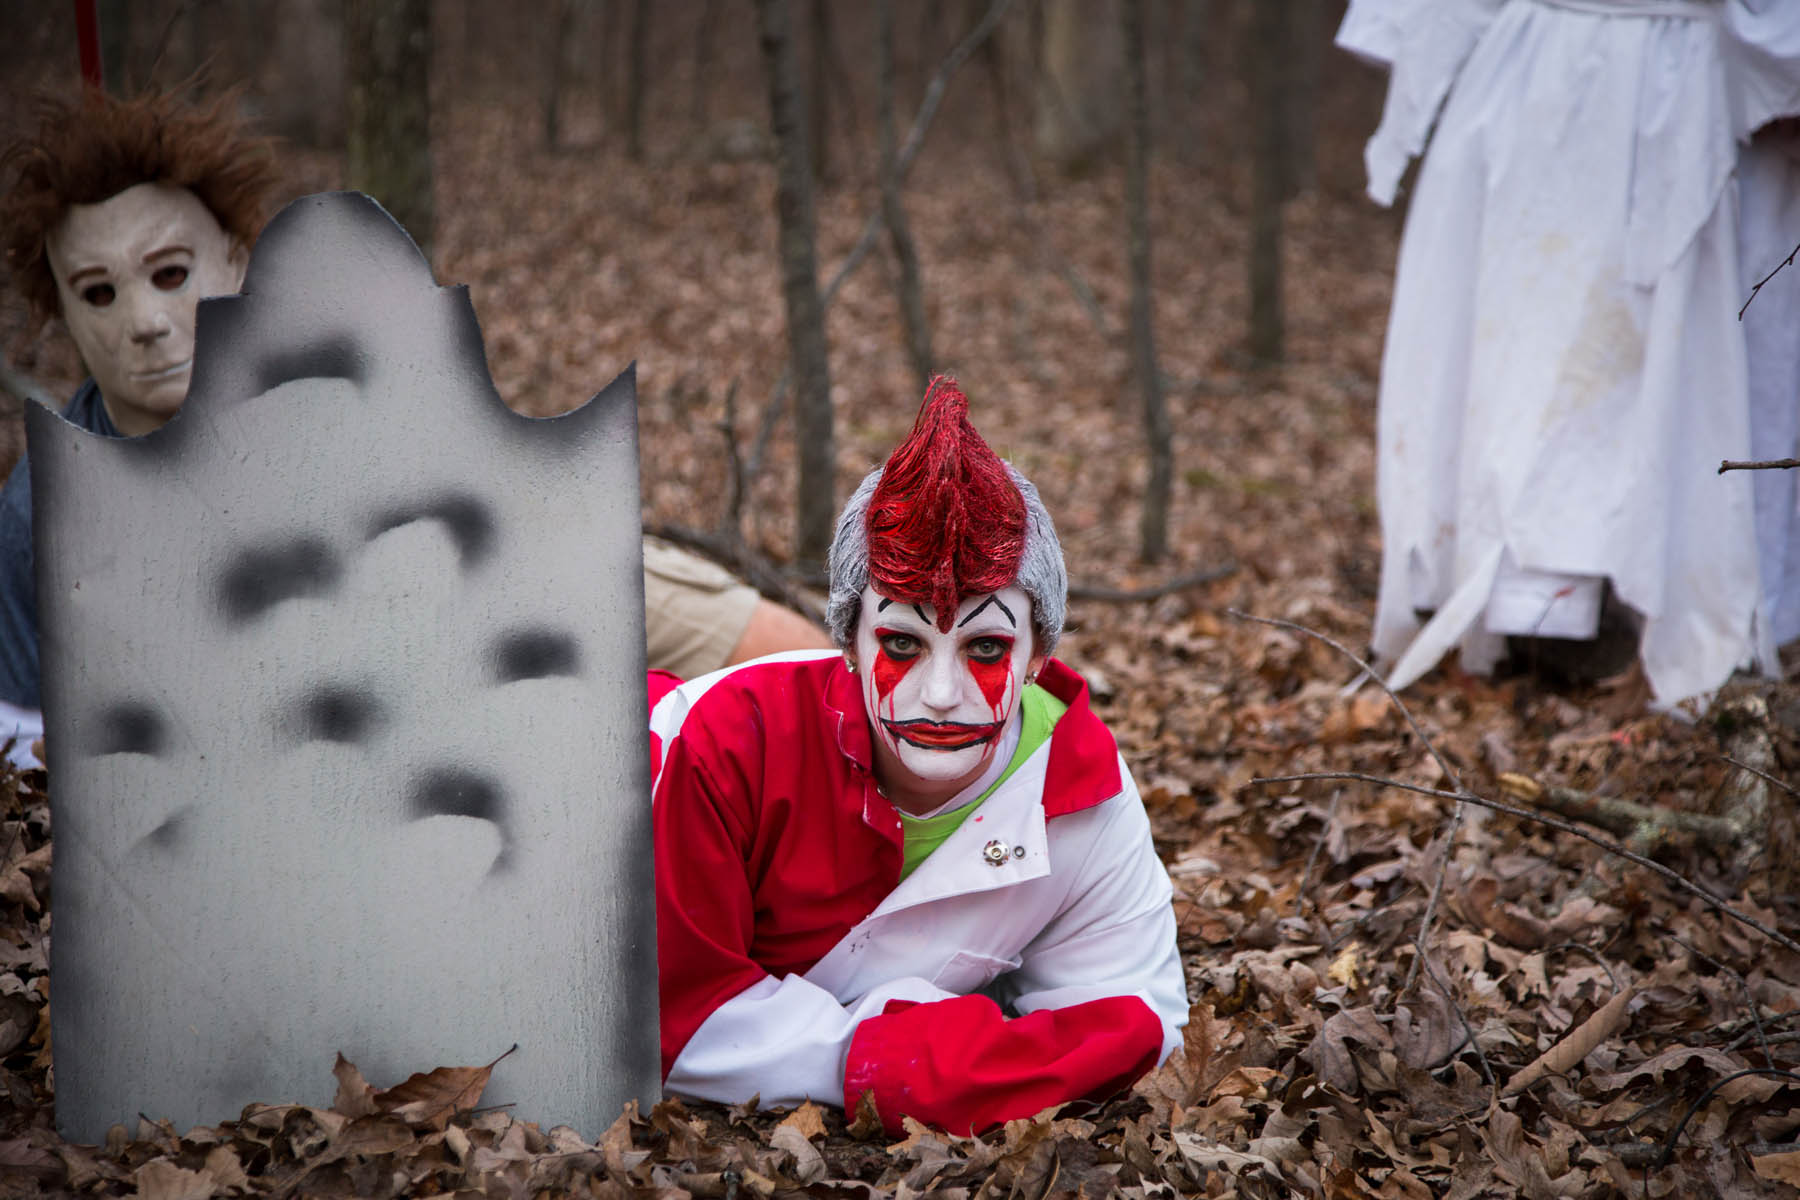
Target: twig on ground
(1606, 844)
(1455, 822)
(1337, 794)
(1487, 1070)
(1743, 986)
(1094, 591)
(1780, 783)
(1786, 262)
(1771, 464)
(1668, 1150)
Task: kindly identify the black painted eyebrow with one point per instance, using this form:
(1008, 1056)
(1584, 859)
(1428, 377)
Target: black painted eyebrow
(920, 609)
(467, 519)
(257, 579)
(883, 605)
(130, 727)
(326, 358)
(535, 654)
(997, 603)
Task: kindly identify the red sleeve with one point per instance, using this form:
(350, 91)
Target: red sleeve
(961, 1065)
(660, 683)
(704, 911)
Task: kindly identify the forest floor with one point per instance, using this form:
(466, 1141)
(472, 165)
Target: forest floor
(1322, 1060)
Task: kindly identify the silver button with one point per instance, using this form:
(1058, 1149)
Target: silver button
(994, 853)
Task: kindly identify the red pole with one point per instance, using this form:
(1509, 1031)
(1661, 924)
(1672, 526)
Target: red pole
(87, 33)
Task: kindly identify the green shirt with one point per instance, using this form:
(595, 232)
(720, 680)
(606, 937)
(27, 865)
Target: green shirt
(1039, 713)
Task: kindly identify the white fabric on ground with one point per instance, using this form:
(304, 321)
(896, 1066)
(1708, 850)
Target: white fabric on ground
(1564, 368)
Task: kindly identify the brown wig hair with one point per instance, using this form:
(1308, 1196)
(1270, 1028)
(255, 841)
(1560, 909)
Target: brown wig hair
(91, 148)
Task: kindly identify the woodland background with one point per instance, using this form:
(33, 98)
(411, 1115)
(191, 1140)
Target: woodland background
(1396, 994)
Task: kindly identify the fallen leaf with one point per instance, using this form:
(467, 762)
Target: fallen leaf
(162, 1179)
(808, 1119)
(429, 1100)
(355, 1098)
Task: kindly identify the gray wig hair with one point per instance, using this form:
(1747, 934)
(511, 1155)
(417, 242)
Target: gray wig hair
(1042, 575)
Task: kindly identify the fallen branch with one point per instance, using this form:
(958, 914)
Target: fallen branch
(1644, 825)
(1094, 591)
(1526, 814)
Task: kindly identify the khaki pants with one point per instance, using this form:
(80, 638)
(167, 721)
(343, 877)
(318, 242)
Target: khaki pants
(695, 611)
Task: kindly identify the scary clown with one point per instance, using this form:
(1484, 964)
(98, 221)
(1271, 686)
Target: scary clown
(915, 874)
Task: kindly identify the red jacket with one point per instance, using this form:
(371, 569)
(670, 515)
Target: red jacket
(794, 964)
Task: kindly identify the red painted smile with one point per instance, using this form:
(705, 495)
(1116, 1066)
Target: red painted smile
(941, 735)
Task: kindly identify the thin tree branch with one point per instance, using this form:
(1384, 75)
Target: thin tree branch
(871, 232)
(1772, 464)
(1744, 766)
(915, 138)
(1786, 262)
(1526, 814)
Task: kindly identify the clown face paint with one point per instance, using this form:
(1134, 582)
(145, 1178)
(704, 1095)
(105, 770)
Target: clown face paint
(129, 272)
(939, 702)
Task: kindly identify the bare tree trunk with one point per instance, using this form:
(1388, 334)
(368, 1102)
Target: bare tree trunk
(388, 48)
(1192, 69)
(1154, 524)
(562, 31)
(819, 124)
(639, 73)
(816, 507)
(1300, 101)
(703, 58)
(1269, 169)
(912, 301)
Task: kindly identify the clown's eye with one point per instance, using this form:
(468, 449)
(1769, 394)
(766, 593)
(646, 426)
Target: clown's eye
(989, 649)
(99, 295)
(900, 646)
(169, 278)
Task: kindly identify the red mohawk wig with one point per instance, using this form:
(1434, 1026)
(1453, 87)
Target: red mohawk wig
(946, 521)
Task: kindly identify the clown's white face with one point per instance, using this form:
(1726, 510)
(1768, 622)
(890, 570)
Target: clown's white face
(129, 272)
(939, 702)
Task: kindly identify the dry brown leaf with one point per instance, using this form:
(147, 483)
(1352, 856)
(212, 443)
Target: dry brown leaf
(355, 1098)
(1778, 1168)
(808, 1119)
(431, 1099)
(1580, 1042)
(162, 1179)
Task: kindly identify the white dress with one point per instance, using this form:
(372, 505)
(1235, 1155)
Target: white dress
(1564, 368)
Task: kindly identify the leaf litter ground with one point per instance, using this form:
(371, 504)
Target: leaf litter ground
(1648, 1020)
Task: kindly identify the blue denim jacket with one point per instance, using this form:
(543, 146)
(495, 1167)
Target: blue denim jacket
(18, 582)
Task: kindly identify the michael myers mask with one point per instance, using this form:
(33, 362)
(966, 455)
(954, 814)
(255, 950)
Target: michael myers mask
(128, 272)
(343, 676)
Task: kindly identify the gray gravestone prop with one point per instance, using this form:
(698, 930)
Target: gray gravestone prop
(344, 681)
